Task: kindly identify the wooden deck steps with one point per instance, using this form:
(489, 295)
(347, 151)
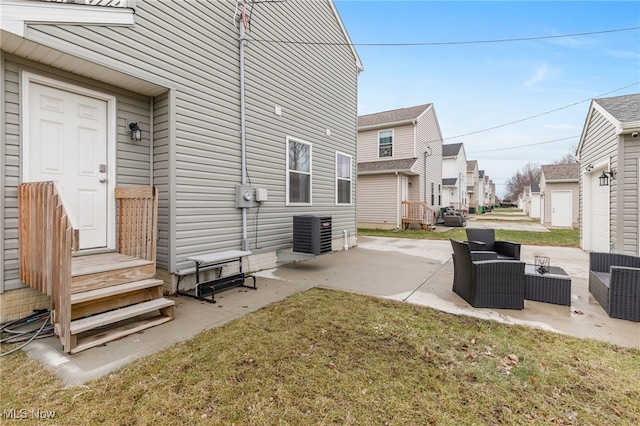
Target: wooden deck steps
(117, 315)
(107, 269)
(100, 297)
(112, 296)
(117, 332)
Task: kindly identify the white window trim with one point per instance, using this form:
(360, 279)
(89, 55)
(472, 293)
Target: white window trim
(294, 139)
(393, 138)
(350, 179)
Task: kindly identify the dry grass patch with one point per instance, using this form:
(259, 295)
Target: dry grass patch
(324, 356)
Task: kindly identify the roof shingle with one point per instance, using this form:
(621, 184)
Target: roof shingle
(624, 108)
(393, 116)
(561, 171)
(387, 165)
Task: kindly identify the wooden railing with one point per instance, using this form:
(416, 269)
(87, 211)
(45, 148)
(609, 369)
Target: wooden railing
(48, 236)
(418, 212)
(137, 231)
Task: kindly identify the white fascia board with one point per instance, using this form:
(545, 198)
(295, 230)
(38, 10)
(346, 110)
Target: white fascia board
(16, 14)
(388, 125)
(628, 127)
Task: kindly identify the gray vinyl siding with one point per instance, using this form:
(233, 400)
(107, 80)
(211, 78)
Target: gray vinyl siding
(600, 142)
(161, 152)
(191, 48)
(629, 182)
(11, 174)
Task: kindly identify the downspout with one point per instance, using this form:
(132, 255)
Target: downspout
(151, 162)
(243, 134)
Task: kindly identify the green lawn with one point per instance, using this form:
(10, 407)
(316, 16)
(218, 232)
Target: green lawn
(556, 237)
(328, 357)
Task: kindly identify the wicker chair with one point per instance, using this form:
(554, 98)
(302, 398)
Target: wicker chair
(614, 281)
(485, 239)
(486, 282)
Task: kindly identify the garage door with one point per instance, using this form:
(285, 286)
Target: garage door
(599, 211)
(561, 209)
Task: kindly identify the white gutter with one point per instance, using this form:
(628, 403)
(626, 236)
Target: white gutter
(16, 14)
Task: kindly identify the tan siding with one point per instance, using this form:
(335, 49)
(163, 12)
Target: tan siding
(430, 141)
(402, 144)
(378, 200)
(549, 187)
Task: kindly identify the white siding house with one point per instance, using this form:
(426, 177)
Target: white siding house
(213, 113)
(454, 176)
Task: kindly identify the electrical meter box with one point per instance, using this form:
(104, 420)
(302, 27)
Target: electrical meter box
(244, 196)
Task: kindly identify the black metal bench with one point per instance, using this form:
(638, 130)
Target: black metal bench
(218, 260)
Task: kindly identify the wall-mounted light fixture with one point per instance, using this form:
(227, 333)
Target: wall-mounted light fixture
(588, 168)
(136, 133)
(605, 177)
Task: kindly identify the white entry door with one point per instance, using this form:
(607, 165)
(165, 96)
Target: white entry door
(561, 209)
(67, 142)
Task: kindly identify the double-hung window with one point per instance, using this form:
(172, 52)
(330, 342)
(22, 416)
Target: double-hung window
(385, 143)
(298, 172)
(343, 178)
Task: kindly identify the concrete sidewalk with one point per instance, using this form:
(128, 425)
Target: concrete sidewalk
(413, 271)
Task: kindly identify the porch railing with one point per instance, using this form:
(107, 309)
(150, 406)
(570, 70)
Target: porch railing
(137, 230)
(48, 236)
(419, 213)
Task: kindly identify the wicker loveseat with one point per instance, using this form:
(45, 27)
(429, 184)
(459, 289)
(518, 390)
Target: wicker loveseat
(484, 239)
(614, 281)
(485, 283)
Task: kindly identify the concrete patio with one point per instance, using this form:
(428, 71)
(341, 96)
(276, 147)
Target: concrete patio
(411, 271)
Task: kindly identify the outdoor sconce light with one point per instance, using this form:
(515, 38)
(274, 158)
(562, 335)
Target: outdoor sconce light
(604, 178)
(136, 133)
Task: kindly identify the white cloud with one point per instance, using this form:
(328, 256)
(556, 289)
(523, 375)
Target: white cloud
(540, 74)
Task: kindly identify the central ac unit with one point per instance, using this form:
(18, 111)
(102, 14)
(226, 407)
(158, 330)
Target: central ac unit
(312, 234)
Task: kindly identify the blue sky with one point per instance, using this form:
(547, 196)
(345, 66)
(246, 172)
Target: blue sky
(478, 86)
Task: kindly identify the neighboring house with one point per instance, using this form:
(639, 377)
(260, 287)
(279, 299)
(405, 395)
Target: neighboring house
(559, 195)
(285, 123)
(491, 189)
(526, 200)
(454, 173)
(481, 190)
(534, 201)
(609, 156)
(399, 159)
(473, 176)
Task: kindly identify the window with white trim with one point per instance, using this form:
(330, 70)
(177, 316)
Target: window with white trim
(343, 178)
(385, 143)
(298, 172)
